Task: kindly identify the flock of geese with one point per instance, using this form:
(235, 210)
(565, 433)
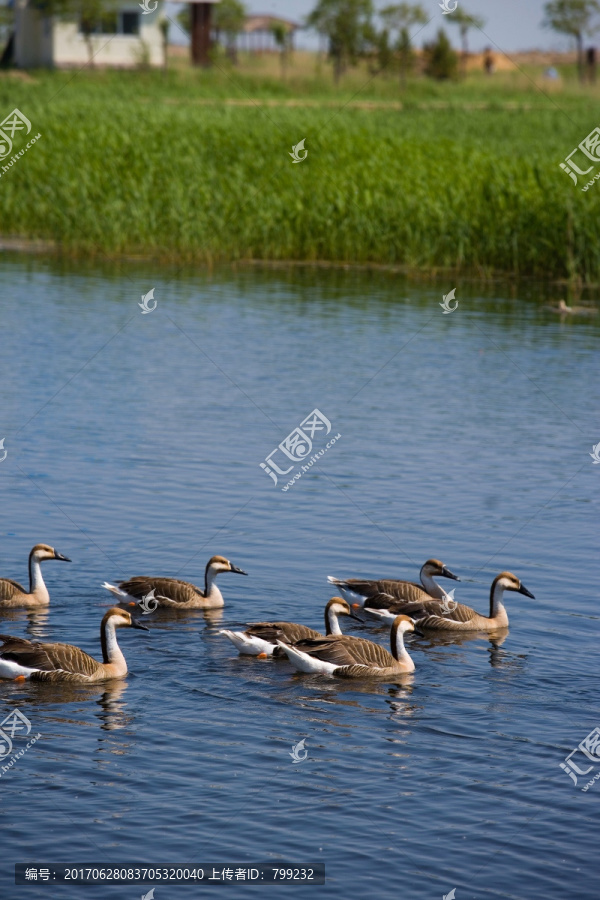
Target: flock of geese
(408, 606)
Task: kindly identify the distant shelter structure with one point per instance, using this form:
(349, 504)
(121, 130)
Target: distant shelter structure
(258, 33)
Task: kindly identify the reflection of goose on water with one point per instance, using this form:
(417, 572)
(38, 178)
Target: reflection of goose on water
(435, 615)
(354, 588)
(260, 638)
(351, 657)
(563, 309)
(22, 660)
(174, 594)
(13, 594)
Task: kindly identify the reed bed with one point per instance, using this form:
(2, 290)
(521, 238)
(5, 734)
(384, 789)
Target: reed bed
(137, 164)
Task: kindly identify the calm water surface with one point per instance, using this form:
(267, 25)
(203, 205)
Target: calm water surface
(134, 443)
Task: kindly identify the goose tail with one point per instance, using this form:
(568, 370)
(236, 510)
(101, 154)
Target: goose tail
(114, 589)
(302, 662)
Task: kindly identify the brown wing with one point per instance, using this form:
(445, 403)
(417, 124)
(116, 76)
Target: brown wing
(170, 588)
(288, 632)
(47, 657)
(407, 591)
(345, 650)
(435, 617)
(9, 588)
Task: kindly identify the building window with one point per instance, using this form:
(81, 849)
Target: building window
(130, 23)
(111, 23)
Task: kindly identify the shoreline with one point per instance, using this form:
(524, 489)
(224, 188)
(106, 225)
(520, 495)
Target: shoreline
(41, 247)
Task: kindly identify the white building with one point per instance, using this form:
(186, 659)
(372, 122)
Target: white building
(126, 37)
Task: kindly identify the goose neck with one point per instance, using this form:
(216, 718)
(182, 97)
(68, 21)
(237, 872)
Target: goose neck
(36, 581)
(111, 652)
(332, 625)
(432, 588)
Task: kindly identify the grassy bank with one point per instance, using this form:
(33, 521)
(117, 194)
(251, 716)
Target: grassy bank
(462, 176)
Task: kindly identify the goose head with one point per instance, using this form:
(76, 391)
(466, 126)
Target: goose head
(43, 551)
(217, 564)
(435, 567)
(339, 607)
(403, 624)
(509, 582)
(120, 618)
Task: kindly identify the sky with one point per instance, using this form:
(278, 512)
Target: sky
(510, 25)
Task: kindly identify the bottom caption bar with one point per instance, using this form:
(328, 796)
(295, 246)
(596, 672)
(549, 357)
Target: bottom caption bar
(29, 873)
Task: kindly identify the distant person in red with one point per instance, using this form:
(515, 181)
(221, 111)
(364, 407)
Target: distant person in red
(590, 58)
(488, 61)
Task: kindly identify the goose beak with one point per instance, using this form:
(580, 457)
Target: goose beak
(354, 616)
(523, 590)
(137, 624)
(58, 555)
(235, 569)
(448, 574)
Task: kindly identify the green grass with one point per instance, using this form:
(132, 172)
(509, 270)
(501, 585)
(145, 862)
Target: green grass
(138, 163)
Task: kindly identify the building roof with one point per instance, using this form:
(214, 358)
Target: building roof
(265, 23)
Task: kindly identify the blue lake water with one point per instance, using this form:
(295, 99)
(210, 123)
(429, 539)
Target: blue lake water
(134, 446)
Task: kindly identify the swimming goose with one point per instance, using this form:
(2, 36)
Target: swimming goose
(408, 591)
(435, 615)
(13, 594)
(260, 638)
(563, 309)
(24, 660)
(350, 657)
(175, 594)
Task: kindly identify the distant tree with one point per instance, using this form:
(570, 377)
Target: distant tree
(228, 19)
(575, 18)
(465, 21)
(164, 24)
(345, 24)
(283, 38)
(441, 61)
(401, 17)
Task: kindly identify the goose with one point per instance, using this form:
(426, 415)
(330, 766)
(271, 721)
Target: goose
(396, 589)
(349, 657)
(175, 594)
(13, 594)
(23, 660)
(563, 309)
(434, 614)
(260, 638)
